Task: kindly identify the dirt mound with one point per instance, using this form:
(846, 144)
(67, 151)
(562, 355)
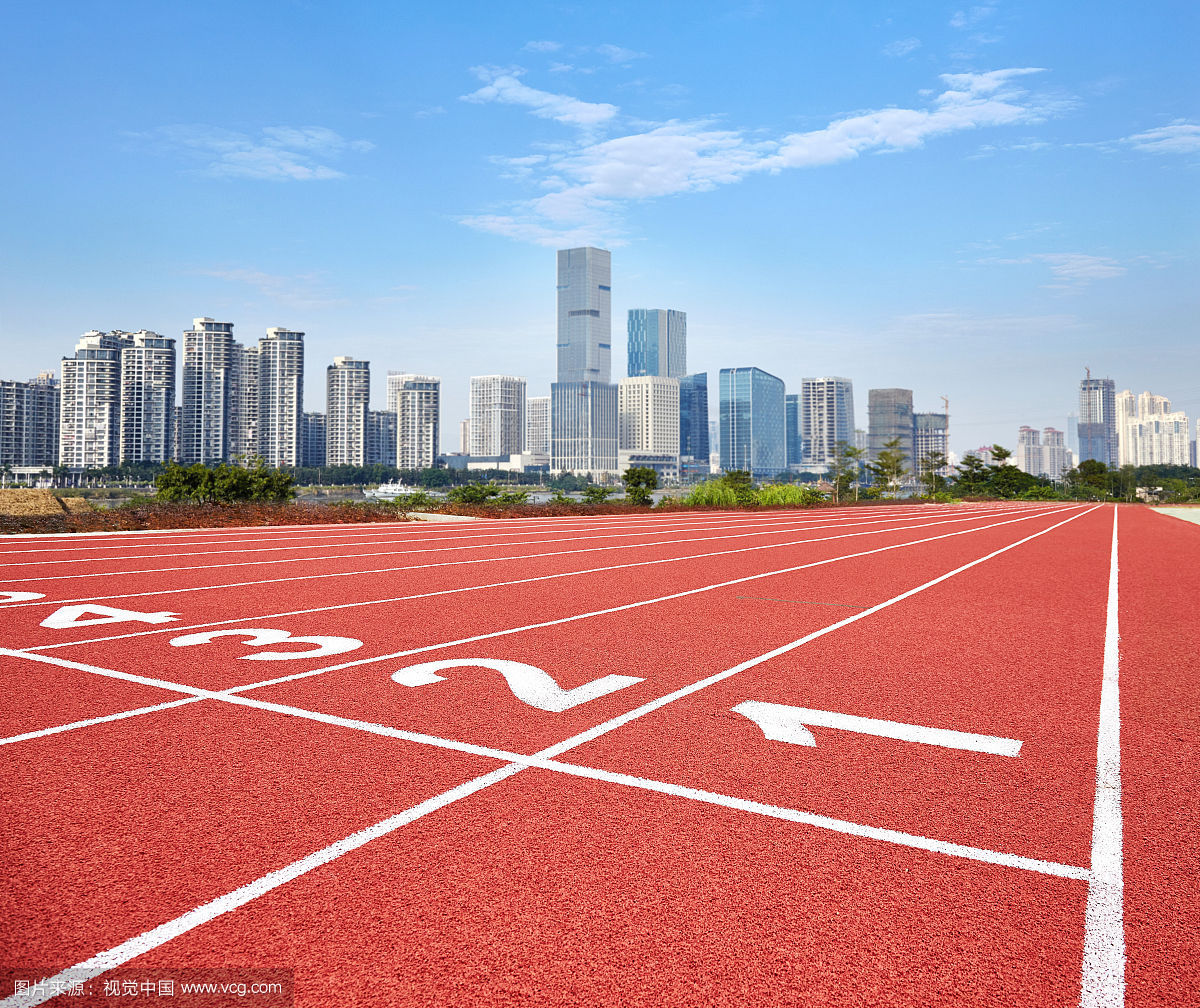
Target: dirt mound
(29, 503)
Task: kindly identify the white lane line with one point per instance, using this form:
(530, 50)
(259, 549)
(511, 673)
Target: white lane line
(357, 572)
(124, 952)
(106, 719)
(823, 822)
(564, 574)
(408, 549)
(1103, 981)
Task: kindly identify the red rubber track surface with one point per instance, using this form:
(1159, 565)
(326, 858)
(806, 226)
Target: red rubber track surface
(678, 856)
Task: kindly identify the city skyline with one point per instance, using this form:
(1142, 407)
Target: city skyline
(901, 199)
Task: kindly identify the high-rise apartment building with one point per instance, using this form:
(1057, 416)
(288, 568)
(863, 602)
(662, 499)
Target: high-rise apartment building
(537, 425)
(148, 398)
(417, 402)
(583, 408)
(381, 438)
(497, 425)
(826, 418)
(1056, 457)
(648, 425)
(241, 431)
(1028, 454)
(694, 444)
(753, 435)
(208, 354)
(347, 399)
(1149, 432)
(931, 437)
(657, 342)
(314, 440)
(89, 434)
(1098, 420)
(281, 396)
(890, 417)
(29, 414)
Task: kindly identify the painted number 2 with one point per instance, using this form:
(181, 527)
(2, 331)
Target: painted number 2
(528, 683)
(259, 637)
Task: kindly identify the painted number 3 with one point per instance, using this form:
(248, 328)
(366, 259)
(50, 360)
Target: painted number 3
(257, 637)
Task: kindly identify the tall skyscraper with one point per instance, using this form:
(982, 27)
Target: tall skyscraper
(931, 436)
(826, 418)
(417, 402)
(648, 425)
(537, 425)
(583, 406)
(1098, 420)
(889, 417)
(29, 414)
(694, 445)
(89, 435)
(347, 395)
(753, 434)
(792, 408)
(497, 415)
(148, 398)
(657, 342)
(280, 396)
(208, 351)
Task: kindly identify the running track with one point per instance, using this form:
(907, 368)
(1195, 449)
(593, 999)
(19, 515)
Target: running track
(905, 755)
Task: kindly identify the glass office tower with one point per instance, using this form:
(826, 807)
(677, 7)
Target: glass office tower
(753, 422)
(657, 342)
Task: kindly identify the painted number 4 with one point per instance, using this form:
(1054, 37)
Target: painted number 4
(528, 683)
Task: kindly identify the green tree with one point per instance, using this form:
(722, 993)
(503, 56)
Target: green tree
(639, 481)
(930, 475)
(890, 465)
(742, 484)
(594, 494)
(845, 469)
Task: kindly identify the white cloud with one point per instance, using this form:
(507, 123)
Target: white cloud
(505, 86)
(972, 16)
(543, 45)
(280, 153)
(586, 186)
(1178, 138)
(618, 54)
(901, 47)
(1071, 271)
(305, 290)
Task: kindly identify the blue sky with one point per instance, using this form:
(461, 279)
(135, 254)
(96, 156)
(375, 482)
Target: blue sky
(969, 200)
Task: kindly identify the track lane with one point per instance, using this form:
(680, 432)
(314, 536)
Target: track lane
(59, 570)
(607, 572)
(1160, 755)
(624, 828)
